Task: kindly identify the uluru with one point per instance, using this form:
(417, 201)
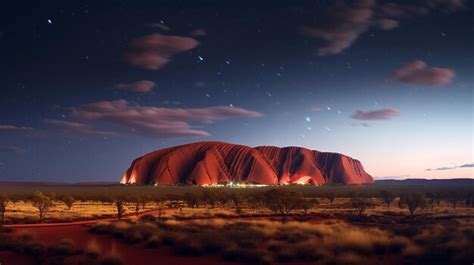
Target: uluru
(209, 163)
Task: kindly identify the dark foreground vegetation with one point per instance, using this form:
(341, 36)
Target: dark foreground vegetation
(376, 224)
(281, 201)
(266, 242)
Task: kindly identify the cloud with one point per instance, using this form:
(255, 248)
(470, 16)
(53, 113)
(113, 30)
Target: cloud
(158, 121)
(419, 73)
(342, 24)
(381, 114)
(387, 23)
(200, 84)
(159, 26)
(77, 128)
(143, 86)
(7, 127)
(156, 50)
(12, 149)
(452, 167)
(198, 33)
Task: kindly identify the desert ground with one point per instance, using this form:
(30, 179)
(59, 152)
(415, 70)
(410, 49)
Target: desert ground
(372, 224)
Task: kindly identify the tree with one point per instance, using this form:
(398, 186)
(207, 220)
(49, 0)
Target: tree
(161, 204)
(120, 206)
(41, 202)
(223, 198)
(282, 201)
(209, 197)
(469, 200)
(306, 204)
(144, 200)
(237, 199)
(360, 204)
(192, 200)
(254, 200)
(431, 200)
(414, 201)
(137, 202)
(68, 201)
(330, 196)
(387, 197)
(3, 207)
(453, 199)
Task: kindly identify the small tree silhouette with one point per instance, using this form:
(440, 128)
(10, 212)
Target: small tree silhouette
(387, 197)
(68, 201)
(41, 202)
(120, 206)
(3, 207)
(414, 201)
(360, 204)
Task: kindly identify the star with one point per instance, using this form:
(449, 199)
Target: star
(200, 58)
(308, 119)
(50, 21)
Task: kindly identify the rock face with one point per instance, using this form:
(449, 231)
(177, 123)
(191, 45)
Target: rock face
(204, 163)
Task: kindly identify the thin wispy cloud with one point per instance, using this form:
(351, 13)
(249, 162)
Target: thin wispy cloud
(451, 167)
(380, 114)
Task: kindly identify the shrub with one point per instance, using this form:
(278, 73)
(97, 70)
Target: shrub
(92, 250)
(41, 202)
(360, 204)
(387, 197)
(64, 247)
(147, 218)
(187, 246)
(3, 207)
(414, 202)
(68, 201)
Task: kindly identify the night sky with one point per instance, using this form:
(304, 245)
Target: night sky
(87, 86)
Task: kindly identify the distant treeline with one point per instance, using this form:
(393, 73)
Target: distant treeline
(102, 192)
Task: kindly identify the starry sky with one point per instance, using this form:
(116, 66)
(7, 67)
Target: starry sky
(87, 86)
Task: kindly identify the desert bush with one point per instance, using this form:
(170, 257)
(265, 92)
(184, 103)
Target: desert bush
(64, 247)
(453, 198)
(209, 196)
(282, 201)
(360, 204)
(3, 207)
(92, 250)
(138, 233)
(147, 218)
(43, 203)
(68, 201)
(387, 197)
(306, 204)
(237, 199)
(188, 246)
(119, 204)
(154, 241)
(192, 200)
(414, 202)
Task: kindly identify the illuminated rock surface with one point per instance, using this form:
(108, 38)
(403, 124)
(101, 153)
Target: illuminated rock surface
(204, 163)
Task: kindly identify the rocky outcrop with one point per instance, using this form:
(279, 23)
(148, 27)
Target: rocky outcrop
(204, 163)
